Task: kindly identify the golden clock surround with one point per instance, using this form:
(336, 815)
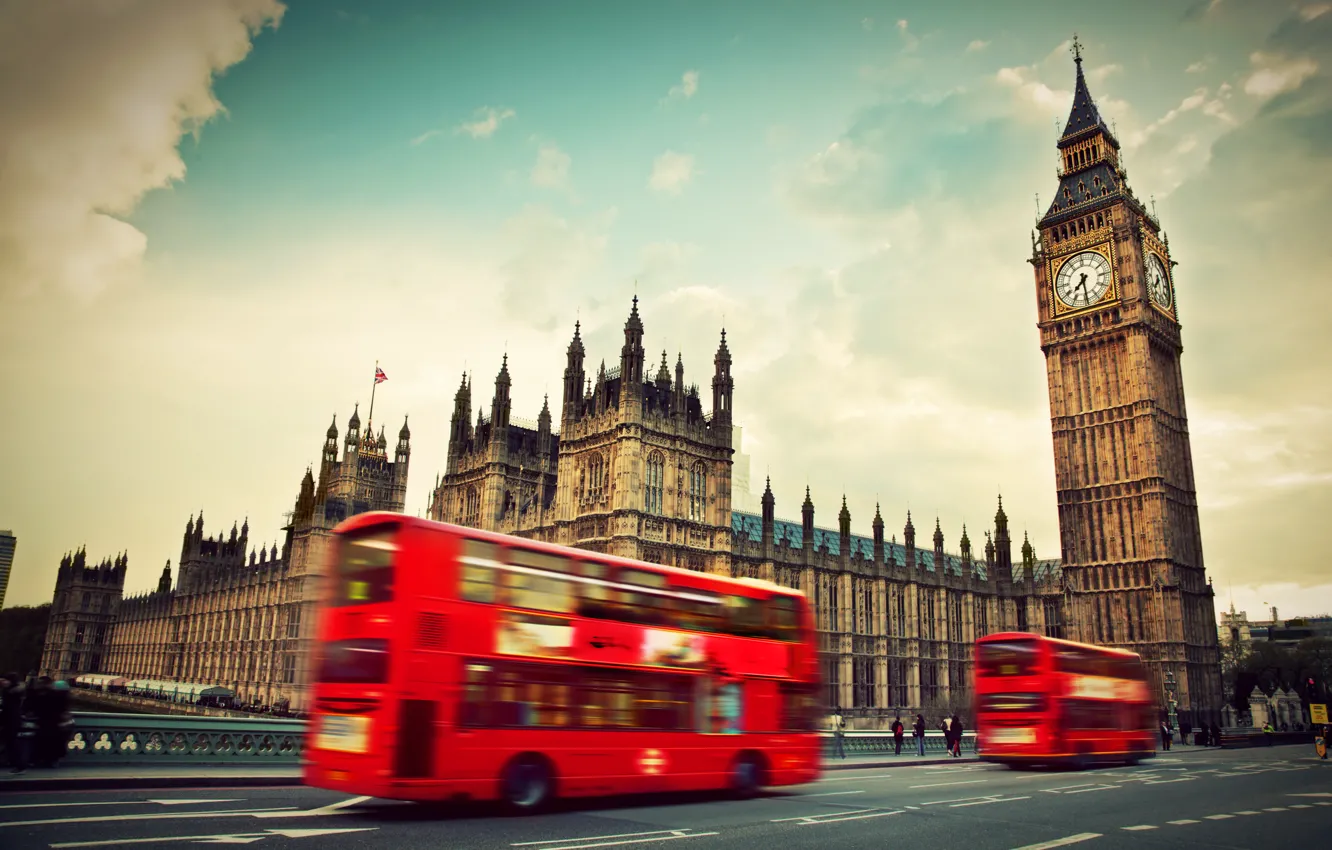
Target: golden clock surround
(1153, 245)
(1060, 310)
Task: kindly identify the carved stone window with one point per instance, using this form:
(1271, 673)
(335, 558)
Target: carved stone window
(656, 484)
(698, 492)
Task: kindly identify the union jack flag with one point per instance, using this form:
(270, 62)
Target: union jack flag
(380, 377)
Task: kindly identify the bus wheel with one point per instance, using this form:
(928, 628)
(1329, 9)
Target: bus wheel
(527, 784)
(746, 775)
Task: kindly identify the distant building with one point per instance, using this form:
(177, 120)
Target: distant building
(239, 617)
(8, 543)
(743, 498)
(1236, 629)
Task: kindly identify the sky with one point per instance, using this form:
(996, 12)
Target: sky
(216, 217)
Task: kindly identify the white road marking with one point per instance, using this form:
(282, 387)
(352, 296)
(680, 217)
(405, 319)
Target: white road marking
(597, 837)
(233, 838)
(1312, 794)
(1101, 788)
(673, 836)
(323, 811)
(837, 817)
(1248, 813)
(116, 803)
(1300, 806)
(959, 800)
(227, 813)
(1277, 809)
(942, 784)
(1218, 817)
(830, 794)
(1138, 828)
(1323, 803)
(1061, 842)
(987, 802)
(1183, 822)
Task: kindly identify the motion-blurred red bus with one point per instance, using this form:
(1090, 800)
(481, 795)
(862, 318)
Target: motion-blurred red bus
(461, 664)
(1040, 700)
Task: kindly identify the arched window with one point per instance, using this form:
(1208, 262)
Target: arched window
(595, 479)
(656, 479)
(471, 507)
(698, 492)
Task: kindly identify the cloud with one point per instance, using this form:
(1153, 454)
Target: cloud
(1201, 9)
(1276, 73)
(551, 263)
(1196, 67)
(1314, 11)
(671, 172)
(1199, 100)
(551, 170)
(87, 133)
(977, 45)
(485, 122)
(425, 137)
(685, 89)
(867, 24)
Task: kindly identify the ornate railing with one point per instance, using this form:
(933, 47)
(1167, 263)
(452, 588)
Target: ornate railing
(105, 738)
(124, 739)
(882, 743)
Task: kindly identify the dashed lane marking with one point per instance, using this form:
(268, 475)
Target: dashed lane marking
(619, 840)
(1138, 828)
(1276, 809)
(1219, 817)
(942, 784)
(829, 794)
(837, 817)
(227, 813)
(987, 802)
(1184, 822)
(1061, 842)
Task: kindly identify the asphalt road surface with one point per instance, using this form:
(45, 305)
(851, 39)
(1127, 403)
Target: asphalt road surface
(1278, 797)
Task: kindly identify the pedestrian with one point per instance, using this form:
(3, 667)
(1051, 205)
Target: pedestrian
(838, 724)
(1185, 727)
(1203, 736)
(898, 731)
(50, 709)
(919, 729)
(1216, 735)
(956, 732)
(1166, 734)
(1269, 733)
(12, 697)
(1326, 732)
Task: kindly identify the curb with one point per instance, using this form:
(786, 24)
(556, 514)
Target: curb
(848, 764)
(109, 783)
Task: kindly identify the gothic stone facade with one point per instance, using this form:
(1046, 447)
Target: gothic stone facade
(1128, 510)
(639, 470)
(245, 625)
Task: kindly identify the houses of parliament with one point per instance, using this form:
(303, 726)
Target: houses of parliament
(631, 463)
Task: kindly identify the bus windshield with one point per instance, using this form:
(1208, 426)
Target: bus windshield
(363, 571)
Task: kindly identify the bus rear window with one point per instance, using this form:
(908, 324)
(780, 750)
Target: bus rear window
(364, 569)
(1009, 658)
(359, 662)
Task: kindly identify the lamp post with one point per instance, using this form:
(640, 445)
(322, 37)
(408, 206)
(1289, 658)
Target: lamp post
(1168, 685)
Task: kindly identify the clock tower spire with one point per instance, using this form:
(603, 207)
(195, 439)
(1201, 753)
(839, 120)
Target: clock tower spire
(1128, 511)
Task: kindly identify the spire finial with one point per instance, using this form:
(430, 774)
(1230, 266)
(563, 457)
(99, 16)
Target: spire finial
(1076, 49)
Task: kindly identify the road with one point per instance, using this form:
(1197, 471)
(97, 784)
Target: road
(1259, 798)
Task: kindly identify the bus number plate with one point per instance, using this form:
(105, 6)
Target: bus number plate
(341, 732)
(1011, 736)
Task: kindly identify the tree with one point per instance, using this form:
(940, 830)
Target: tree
(22, 635)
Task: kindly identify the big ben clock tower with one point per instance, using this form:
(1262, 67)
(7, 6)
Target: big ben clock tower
(1128, 511)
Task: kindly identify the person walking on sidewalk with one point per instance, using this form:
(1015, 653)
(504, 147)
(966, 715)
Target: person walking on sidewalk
(12, 697)
(898, 730)
(919, 730)
(955, 732)
(838, 724)
(1185, 727)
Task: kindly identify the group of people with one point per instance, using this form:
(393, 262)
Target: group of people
(1204, 735)
(952, 732)
(35, 721)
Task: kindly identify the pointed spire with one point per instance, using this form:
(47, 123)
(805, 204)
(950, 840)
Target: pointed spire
(405, 433)
(355, 422)
(1083, 116)
(333, 429)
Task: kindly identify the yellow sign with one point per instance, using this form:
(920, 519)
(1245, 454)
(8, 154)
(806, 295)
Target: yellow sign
(1318, 712)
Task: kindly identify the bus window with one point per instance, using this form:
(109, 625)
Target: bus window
(479, 562)
(537, 592)
(800, 708)
(648, 608)
(783, 619)
(744, 617)
(1009, 658)
(595, 599)
(475, 707)
(364, 569)
(663, 702)
(608, 702)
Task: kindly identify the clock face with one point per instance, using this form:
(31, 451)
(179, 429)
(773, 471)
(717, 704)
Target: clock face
(1158, 283)
(1083, 279)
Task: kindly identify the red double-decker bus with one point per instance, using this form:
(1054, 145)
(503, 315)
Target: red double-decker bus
(461, 664)
(1040, 700)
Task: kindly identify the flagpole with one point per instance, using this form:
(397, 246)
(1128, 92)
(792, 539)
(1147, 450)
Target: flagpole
(371, 420)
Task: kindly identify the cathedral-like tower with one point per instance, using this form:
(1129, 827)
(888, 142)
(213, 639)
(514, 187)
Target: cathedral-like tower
(1128, 511)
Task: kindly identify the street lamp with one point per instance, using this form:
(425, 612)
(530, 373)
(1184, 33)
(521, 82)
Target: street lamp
(1168, 685)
